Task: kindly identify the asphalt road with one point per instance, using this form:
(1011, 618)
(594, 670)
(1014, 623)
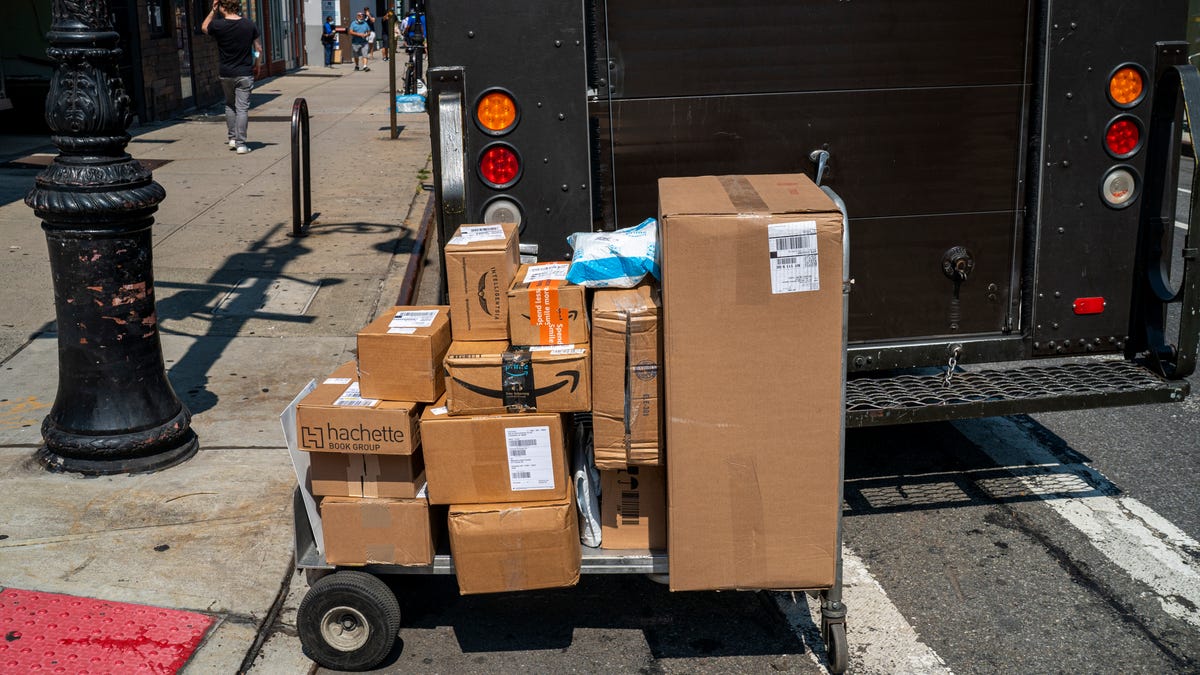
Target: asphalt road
(1062, 542)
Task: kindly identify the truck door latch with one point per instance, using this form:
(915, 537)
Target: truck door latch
(821, 157)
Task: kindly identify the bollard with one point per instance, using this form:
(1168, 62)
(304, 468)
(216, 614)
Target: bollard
(301, 170)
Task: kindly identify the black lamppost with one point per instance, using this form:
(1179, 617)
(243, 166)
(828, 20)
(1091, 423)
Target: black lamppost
(115, 411)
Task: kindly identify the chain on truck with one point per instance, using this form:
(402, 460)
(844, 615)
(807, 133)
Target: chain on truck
(1008, 176)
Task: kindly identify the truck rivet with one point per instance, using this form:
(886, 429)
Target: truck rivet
(1059, 350)
(565, 187)
(547, 209)
(470, 34)
(1085, 137)
(1070, 96)
(1074, 25)
(1054, 325)
(1058, 294)
(1062, 230)
(545, 160)
(558, 43)
(1037, 345)
(1090, 348)
(561, 117)
(539, 104)
(1112, 340)
(859, 362)
(577, 43)
(1066, 163)
(1051, 344)
(583, 187)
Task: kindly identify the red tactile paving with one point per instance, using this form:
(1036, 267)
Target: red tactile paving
(52, 633)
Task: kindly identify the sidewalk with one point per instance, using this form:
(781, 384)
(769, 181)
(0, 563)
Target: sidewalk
(247, 316)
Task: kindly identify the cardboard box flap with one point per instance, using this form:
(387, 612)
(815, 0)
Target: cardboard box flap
(332, 387)
(619, 303)
(469, 238)
(777, 194)
(419, 320)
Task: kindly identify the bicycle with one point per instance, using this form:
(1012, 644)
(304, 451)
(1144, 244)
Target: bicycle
(413, 70)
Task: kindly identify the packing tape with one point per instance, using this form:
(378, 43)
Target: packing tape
(382, 553)
(742, 195)
(546, 313)
(371, 475)
(376, 516)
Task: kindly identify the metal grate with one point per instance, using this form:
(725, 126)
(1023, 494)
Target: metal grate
(923, 398)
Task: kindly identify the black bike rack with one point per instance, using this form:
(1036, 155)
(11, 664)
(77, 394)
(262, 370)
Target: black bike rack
(301, 170)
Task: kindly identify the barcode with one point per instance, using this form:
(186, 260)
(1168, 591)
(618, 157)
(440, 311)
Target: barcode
(797, 261)
(801, 241)
(522, 474)
(516, 452)
(522, 442)
(630, 507)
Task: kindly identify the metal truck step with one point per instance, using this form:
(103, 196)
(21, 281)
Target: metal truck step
(908, 398)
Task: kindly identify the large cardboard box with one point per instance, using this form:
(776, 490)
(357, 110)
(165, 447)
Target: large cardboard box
(515, 547)
(481, 261)
(543, 309)
(400, 354)
(626, 387)
(479, 459)
(335, 417)
(493, 377)
(753, 330)
(379, 531)
(335, 474)
(633, 508)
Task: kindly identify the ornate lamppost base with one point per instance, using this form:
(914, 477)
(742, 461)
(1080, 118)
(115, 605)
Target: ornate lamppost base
(161, 458)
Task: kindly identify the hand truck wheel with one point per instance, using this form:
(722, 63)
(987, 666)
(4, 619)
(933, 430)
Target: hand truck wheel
(837, 650)
(348, 621)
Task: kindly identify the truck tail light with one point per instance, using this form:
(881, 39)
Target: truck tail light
(496, 112)
(1083, 306)
(1126, 86)
(1123, 137)
(499, 165)
(1119, 187)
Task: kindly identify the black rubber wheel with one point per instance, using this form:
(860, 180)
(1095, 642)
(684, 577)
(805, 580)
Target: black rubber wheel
(837, 650)
(348, 621)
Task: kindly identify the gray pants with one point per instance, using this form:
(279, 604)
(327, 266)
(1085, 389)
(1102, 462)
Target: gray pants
(237, 106)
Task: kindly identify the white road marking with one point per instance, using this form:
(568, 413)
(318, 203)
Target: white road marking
(1131, 535)
(881, 640)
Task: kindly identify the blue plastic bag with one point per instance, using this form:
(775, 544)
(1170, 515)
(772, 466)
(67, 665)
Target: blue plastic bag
(617, 259)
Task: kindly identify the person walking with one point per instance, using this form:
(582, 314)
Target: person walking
(238, 48)
(328, 40)
(359, 31)
(385, 22)
(370, 19)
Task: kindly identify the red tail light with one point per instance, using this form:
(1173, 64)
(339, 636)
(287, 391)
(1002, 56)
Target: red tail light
(499, 165)
(1123, 137)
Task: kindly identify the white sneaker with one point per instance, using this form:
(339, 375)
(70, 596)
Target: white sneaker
(232, 144)
(243, 150)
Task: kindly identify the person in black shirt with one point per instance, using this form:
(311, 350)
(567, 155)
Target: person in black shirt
(239, 48)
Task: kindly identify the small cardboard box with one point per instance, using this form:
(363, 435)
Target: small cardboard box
(480, 459)
(379, 531)
(753, 327)
(493, 377)
(481, 261)
(633, 508)
(335, 417)
(626, 387)
(515, 547)
(335, 474)
(400, 354)
(543, 309)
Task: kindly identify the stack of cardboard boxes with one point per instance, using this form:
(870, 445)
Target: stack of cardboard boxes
(456, 418)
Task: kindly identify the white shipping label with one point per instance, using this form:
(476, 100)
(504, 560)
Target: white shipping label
(338, 380)
(481, 233)
(413, 318)
(793, 255)
(557, 349)
(401, 331)
(352, 399)
(440, 410)
(530, 458)
(546, 271)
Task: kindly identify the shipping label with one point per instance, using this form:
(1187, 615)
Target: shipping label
(467, 235)
(338, 380)
(351, 398)
(546, 271)
(413, 318)
(530, 458)
(793, 257)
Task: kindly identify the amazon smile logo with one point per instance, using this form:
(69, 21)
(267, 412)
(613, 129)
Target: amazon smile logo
(571, 377)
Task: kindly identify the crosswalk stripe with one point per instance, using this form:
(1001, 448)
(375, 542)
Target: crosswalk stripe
(1130, 534)
(881, 639)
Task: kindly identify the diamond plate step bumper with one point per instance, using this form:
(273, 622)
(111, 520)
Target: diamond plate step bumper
(909, 398)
